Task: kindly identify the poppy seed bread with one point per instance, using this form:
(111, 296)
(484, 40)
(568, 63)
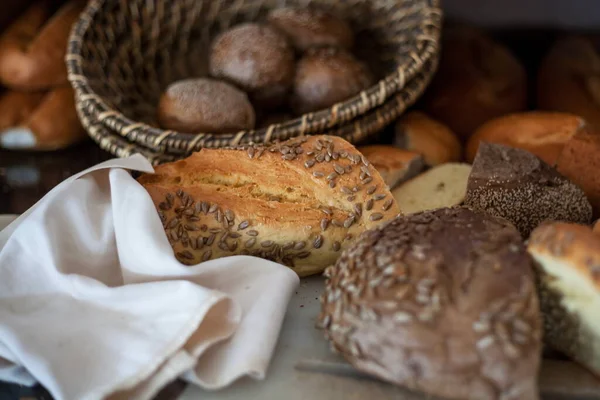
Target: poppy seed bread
(516, 185)
(299, 202)
(568, 259)
(441, 302)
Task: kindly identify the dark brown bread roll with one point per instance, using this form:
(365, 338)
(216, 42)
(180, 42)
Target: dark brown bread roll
(205, 105)
(312, 28)
(443, 302)
(477, 80)
(568, 259)
(516, 185)
(256, 58)
(569, 79)
(326, 76)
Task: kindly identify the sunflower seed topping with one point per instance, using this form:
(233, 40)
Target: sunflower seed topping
(369, 205)
(250, 242)
(376, 216)
(318, 242)
(371, 190)
(252, 232)
(207, 254)
(309, 163)
(243, 225)
(336, 246)
(386, 206)
(379, 196)
(324, 224)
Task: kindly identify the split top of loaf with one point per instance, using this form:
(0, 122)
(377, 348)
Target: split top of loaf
(299, 202)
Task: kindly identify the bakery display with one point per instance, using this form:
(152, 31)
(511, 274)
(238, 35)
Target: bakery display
(478, 79)
(516, 185)
(39, 121)
(394, 165)
(258, 59)
(415, 131)
(580, 162)
(205, 105)
(442, 302)
(326, 76)
(33, 48)
(442, 186)
(539, 132)
(568, 259)
(299, 202)
(568, 79)
(308, 28)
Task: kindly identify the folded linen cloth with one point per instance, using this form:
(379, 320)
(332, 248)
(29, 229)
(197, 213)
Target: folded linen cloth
(94, 305)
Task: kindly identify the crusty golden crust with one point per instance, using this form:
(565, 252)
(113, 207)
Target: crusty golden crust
(573, 242)
(395, 165)
(298, 203)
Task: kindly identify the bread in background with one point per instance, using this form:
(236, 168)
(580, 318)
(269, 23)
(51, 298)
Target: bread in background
(477, 80)
(444, 185)
(569, 79)
(417, 132)
(542, 133)
(205, 105)
(394, 165)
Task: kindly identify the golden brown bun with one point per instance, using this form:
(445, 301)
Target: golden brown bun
(477, 80)
(298, 203)
(568, 256)
(312, 28)
(442, 302)
(539, 132)
(205, 105)
(394, 165)
(580, 162)
(326, 76)
(52, 124)
(569, 79)
(258, 59)
(417, 132)
(33, 48)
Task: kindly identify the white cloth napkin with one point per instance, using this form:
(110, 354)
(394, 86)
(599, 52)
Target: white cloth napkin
(94, 305)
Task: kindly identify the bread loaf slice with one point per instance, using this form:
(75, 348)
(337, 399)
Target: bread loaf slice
(299, 203)
(442, 186)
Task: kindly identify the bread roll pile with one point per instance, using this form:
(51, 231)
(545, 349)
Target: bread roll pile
(296, 61)
(33, 71)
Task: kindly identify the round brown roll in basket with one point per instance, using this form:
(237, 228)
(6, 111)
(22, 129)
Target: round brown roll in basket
(122, 54)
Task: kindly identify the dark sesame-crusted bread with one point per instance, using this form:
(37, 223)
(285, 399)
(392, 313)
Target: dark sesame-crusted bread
(326, 76)
(256, 58)
(299, 202)
(442, 302)
(568, 260)
(395, 165)
(516, 185)
(312, 28)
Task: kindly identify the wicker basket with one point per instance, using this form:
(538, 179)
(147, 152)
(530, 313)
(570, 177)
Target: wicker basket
(123, 53)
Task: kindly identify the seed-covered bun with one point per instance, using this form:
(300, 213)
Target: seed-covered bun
(569, 79)
(205, 105)
(256, 58)
(312, 28)
(477, 80)
(417, 132)
(442, 302)
(541, 133)
(568, 257)
(299, 203)
(516, 185)
(326, 76)
(444, 185)
(580, 162)
(394, 165)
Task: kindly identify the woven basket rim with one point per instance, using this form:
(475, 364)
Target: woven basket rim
(354, 131)
(427, 47)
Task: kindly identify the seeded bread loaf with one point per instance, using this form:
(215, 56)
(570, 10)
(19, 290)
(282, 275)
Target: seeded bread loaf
(442, 186)
(298, 203)
(435, 141)
(539, 132)
(442, 302)
(394, 165)
(568, 259)
(516, 185)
